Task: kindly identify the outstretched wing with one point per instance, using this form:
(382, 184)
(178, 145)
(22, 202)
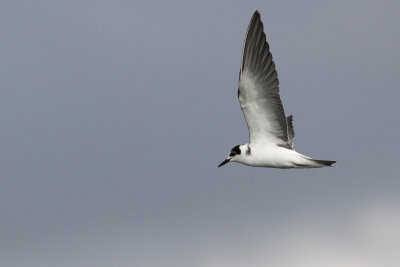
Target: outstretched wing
(259, 89)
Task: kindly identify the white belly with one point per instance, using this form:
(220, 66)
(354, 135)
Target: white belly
(275, 157)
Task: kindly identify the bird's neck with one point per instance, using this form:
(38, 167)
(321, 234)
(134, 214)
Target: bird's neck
(247, 149)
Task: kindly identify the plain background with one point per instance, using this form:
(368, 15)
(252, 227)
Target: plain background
(115, 114)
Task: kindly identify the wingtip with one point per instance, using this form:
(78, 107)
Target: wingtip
(256, 14)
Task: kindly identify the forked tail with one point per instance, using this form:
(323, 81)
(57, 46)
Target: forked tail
(324, 162)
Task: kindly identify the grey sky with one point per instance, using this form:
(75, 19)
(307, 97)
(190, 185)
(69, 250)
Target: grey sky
(115, 115)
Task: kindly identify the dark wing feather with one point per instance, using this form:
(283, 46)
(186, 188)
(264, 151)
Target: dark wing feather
(289, 121)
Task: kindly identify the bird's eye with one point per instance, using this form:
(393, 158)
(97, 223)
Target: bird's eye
(232, 154)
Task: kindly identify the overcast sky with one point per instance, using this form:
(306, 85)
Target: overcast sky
(115, 114)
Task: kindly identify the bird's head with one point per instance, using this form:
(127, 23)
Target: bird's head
(236, 153)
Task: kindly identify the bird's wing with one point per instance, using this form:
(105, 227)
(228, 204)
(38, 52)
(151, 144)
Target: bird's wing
(259, 90)
(289, 121)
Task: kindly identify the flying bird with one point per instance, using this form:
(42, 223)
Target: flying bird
(271, 132)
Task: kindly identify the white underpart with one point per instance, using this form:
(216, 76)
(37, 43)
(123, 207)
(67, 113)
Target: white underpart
(264, 155)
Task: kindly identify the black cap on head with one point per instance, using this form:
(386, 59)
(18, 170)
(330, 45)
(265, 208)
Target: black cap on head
(235, 151)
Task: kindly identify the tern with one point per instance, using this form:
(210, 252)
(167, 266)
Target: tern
(270, 131)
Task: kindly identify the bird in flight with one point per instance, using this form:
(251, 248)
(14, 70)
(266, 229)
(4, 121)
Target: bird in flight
(271, 132)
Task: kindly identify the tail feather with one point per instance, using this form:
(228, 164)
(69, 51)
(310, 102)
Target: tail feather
(324, 162)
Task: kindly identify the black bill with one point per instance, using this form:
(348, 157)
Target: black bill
(224, 162)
